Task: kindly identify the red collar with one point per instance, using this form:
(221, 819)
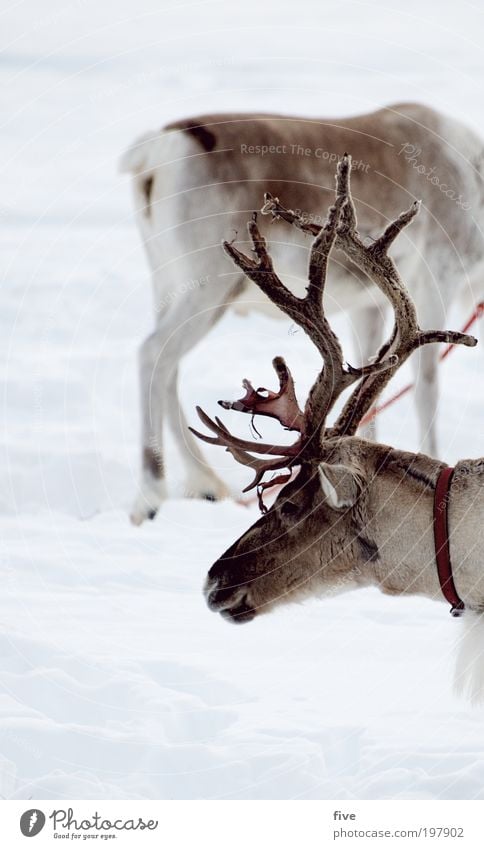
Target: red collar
(442, 546)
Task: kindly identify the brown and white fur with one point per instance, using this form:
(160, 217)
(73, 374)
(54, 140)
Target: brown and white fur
(194, 184)
(363, 517)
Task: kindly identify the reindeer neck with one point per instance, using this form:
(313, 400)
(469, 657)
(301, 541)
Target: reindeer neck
(401, 524)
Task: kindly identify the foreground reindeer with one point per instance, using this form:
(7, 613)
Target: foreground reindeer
(357, 513)
(195, 182)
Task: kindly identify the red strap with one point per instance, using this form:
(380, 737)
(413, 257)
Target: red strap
(441, 536)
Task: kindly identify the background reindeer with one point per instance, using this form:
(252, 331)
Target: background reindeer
(195, 182)
(357, 513)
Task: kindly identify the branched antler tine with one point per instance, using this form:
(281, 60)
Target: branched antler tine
(308, 312)
(211, 440)
(385, 241)
(262, 273)
(259, 244)
(257, 463)
(281, 405)
(224, 438)
(329, 385)
(406, 335)
(260, 465)
(273, 206)
(374, 260)
(365, 394)
(334, 379)
(373, 368)
(451, 337)
(260, 472)
(206, 420)
(300, 310)
(320, 251)
(242, 260)
(343, 194)
(252, 445)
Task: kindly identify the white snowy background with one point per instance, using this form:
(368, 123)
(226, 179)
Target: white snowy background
(116, 680)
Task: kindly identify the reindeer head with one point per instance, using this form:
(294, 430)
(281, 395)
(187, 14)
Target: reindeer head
(317, 534)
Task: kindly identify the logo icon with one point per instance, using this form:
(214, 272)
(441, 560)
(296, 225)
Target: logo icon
(32, 822)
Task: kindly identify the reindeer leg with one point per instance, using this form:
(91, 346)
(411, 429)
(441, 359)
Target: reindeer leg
(181, 326)
(152, 490)
(367, 338)
(425, 364)
(201, 481)
(431, 310)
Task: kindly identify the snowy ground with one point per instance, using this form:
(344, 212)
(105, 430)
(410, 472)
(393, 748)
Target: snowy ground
(116, 681)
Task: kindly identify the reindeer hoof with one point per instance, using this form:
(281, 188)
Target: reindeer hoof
(138, 517)
(207, 487)
(147, 503)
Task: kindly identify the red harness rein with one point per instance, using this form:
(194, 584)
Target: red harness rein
(442, 546)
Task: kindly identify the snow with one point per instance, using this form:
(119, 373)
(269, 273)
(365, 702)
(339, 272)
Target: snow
(116, 680)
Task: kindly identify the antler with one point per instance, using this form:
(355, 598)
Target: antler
(237, 447)
(340, 231)
(308, 312)
(379, 267)
(406, 335)
(281, 405)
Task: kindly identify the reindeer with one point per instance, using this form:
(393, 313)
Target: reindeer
(352, 512)
(196, 180)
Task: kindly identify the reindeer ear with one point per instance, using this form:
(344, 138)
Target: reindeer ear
(340, 484)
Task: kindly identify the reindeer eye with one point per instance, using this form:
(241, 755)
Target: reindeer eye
(289, 509)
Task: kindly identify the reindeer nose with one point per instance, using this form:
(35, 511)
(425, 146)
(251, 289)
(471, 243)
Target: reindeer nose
(223, 567)
(220, 583)
(220, 599)
(212, 583)
(228, 596)
(213, 572)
